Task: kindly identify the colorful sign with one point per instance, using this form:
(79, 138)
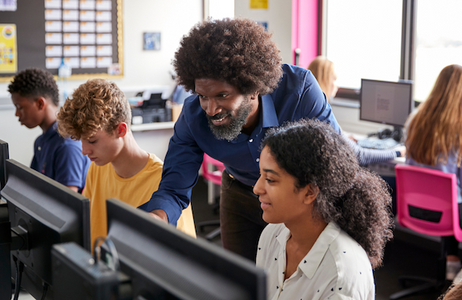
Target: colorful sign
(8, 49)
(258, 4)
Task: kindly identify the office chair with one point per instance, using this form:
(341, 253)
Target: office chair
(427, 203)
(214, 178)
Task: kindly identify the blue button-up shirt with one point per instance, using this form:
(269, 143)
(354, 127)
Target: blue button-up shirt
(297, 96)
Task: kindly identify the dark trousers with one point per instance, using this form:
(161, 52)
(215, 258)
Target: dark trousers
(452, 245)
(240, 217)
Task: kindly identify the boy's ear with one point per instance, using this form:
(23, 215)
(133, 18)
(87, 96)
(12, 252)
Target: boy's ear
(122, 129)
(41, 103)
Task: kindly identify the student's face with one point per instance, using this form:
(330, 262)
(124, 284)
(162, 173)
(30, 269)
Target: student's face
(281, 201)
(28, 110)
(226, 109)
(102, 147)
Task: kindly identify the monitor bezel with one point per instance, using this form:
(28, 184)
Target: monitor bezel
(204, 253)
(31, 198)
(4, 155)
(410, 107)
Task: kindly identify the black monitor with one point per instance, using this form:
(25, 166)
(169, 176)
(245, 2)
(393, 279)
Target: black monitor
(159, 261)
(4, 155)
(42, 212)
(164, 263)
(386, 102)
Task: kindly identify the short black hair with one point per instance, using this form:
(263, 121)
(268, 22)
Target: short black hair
(35, 83)
(239, 52)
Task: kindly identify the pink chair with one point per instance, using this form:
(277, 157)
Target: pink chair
(211, 171)
(427, 203)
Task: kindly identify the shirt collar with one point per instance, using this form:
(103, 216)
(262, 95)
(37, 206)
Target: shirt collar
(51, 131)
(310, 263)
(269, 116)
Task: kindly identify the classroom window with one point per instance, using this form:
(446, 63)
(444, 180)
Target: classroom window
(369, 42)
(438, 41)
(363, 39)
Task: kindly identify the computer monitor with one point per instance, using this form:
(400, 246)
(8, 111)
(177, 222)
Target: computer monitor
(386, 102)
(164, 263)
(42, 212)
(4, 155)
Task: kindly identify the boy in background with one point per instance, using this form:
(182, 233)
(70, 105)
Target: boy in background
(99, 115)
(35, 95)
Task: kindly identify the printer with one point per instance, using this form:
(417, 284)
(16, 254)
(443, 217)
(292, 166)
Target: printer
(151, 106)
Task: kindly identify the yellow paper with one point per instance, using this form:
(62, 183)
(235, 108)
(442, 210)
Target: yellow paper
(258, 4)
(8, 49)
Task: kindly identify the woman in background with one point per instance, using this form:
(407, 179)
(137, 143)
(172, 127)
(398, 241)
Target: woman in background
(434, 140)
(323, 70)
(329, 218)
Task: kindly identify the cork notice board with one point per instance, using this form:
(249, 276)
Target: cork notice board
(87, 34)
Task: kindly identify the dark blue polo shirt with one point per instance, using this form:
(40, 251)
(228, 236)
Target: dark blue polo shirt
(60, 159)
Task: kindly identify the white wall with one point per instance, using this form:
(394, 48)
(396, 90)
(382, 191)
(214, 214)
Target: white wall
(347, 114)
(142, 69)
(279, 18)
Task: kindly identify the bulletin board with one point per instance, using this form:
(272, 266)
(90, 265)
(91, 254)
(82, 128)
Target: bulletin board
(87, 34)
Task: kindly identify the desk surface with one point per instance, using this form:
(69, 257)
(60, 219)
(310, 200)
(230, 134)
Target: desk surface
(386, 168)
(153, 126)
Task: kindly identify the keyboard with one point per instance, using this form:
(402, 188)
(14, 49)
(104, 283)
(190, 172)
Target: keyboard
(375, 143)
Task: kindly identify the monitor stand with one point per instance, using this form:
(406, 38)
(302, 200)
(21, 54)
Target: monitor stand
(397, 133)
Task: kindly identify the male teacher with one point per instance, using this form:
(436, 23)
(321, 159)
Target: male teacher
(240, 90)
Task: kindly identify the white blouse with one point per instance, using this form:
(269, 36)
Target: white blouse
(336, 267)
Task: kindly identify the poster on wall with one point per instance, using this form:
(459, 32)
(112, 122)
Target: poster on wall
(80, 32)
(258, 4)
(264, 24)
(151, 41)
(8, 5)
(8, 52)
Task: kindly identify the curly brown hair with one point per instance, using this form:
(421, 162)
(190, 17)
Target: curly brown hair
(353, 197)
(35, 83)
(96, 104)
(237, 51)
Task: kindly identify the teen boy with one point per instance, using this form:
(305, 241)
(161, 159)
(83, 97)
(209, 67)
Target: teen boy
(35, 95)
(99, 115)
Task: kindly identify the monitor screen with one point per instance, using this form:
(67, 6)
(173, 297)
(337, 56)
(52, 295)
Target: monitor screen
(386, 102)
(164, 263)
(48, 213)
(3, 157)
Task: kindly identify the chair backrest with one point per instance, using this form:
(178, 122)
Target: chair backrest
(427, 201)
(212, 175)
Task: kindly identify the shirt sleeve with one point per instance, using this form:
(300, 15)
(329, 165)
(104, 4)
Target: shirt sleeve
(369, 156)
(314, 102)
(70, 166)
(180, 173)
(459, 175)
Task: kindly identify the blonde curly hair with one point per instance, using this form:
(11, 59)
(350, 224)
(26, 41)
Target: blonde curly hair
(94, 105)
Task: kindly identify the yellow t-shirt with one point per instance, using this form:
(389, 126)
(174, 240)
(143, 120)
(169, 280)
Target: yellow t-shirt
(103, 183)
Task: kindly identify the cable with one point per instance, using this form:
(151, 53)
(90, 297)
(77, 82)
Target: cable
(115, 264)
(44, 291)
(19, 268)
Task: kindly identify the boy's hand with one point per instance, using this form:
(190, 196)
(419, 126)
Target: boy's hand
(160, 215)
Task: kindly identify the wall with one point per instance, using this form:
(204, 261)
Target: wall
(347, 114)
(143, 69)
(279, 18)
